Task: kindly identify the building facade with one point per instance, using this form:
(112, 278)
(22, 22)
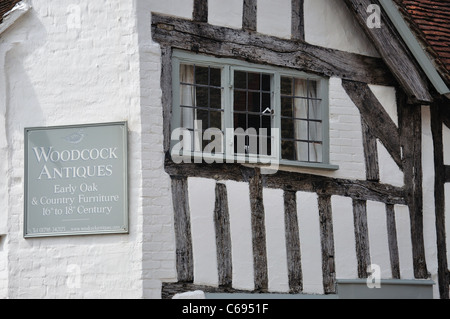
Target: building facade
(342, 179)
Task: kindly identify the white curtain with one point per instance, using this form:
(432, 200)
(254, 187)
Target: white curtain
(305, 89)
(301, 111)
(187, 98)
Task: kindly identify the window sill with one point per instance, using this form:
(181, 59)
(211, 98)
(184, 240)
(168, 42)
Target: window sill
(320, 166)
(198, 158)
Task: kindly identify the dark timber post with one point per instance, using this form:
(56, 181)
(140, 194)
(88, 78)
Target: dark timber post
(258, 232)
(249, 15)
(410, 128)
(327, 242)
(298, 20)
(223, 237)
(293, 242)
(185, 261)
(200, 13)
(361, 237)
(437, 118)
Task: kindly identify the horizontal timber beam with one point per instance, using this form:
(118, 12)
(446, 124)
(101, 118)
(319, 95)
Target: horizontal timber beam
(254, 47)
(322, 185)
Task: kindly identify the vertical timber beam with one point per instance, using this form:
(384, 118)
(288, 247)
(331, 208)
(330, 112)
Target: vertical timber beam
(361, 237)
(439, 195)
(166, 99)
(370, 153)
(223, 237)
(249, 19)
(185, 261)
(200, 13)
(298, 20)
(258, 232)
(293, 243)
(327, 242)
(410, 128)
(393, 242)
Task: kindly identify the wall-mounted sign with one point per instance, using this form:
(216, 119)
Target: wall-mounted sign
(76, 180)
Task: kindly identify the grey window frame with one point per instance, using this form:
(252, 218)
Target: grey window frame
(229, 66)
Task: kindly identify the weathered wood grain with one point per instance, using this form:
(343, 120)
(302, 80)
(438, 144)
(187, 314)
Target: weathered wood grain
(357, 189)
(200, 13)
(263, 49)
(361, 237)
(223, 237)
(182, 221)
(394, 52)
(327, 243)
(439, 198)
(393, 242)
(166, 98)
(293, 243)
(376, 117)
(298, 20)
(258, 232)
(249, 16)
(370, 153)
(410, 127)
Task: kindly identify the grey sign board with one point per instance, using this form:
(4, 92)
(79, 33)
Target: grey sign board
(76, 180)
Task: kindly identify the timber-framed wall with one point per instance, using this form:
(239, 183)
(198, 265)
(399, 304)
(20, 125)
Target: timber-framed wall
(402, 141)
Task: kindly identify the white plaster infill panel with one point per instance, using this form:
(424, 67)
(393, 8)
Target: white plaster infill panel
(13, 15)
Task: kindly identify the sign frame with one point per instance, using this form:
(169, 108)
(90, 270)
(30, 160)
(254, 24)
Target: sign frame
(90, 229)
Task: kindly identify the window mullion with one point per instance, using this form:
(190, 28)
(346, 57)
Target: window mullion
(227, 81)
(276, 95)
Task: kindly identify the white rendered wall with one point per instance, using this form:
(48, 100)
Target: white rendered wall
(241, 235)
(329, 23)
(403, 223)
(201, 204)
(310, 244)
(344, 238)
(378, 238)
(277, 267)
(72, 64)
(273, 18)
(225, 13)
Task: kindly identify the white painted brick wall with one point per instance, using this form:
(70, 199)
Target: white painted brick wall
(64, 73)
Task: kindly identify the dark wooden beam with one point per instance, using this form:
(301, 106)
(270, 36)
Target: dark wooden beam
(393, 242)
(361, 237)
(263, 49)
(439, 199)
(356, 189)
(200, 13)
(447, 173)
(298, 20)
(394, 52)
(327, 243)
(223, 237)
(249, 16)
(184, 252)
(166, 98)
(293, 243)
(370, 153)
(378, 120)
(258, 232)
(410, 127)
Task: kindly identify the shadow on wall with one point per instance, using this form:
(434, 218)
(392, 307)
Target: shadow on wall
(19, 104)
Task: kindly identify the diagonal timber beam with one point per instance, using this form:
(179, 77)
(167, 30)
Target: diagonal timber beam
(393, 51)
